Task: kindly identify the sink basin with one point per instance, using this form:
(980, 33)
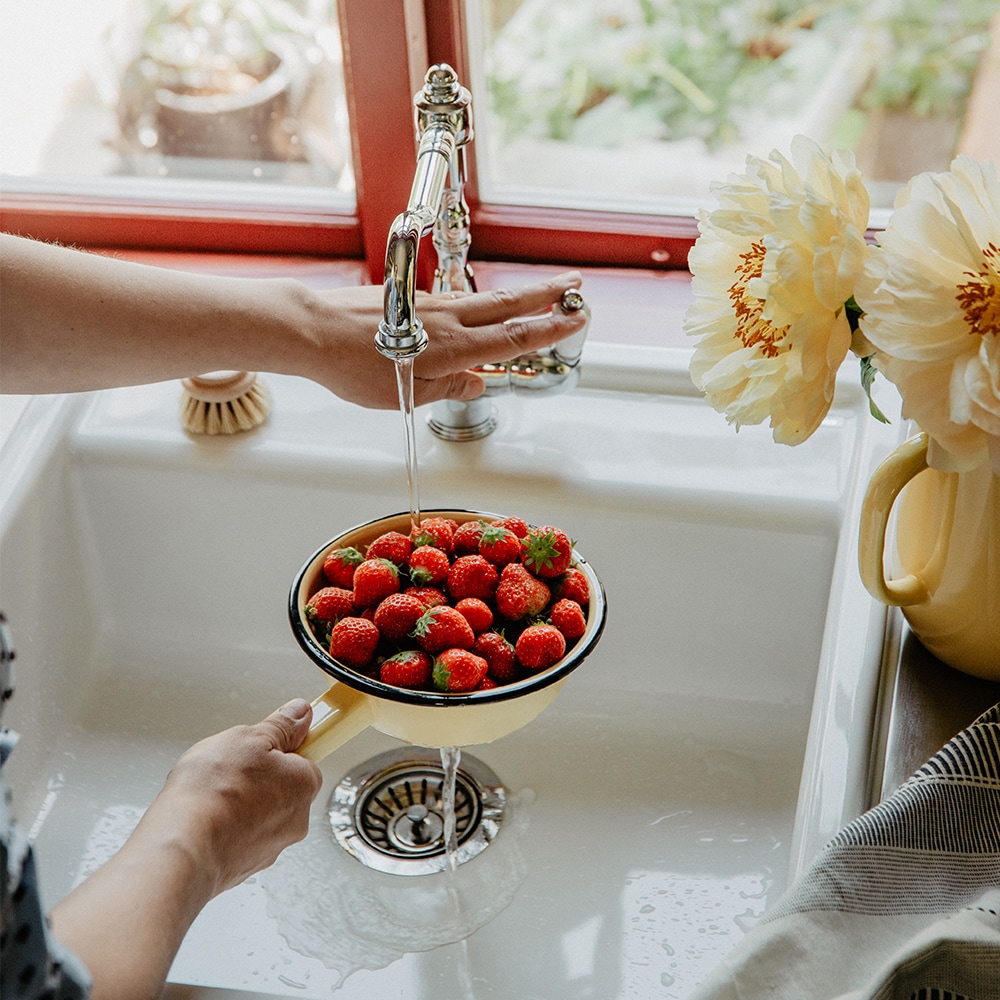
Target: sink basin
(717, 736)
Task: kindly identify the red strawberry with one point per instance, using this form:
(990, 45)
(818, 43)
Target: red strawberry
(458, 670)
(409, 669)
(472, 576)
(428, 565)
(466, 538)
(476, 612)
(539, 646)
(443, 628)
(330, 603)
(430, 597)
(436, 531)
(547, 551)
(519, 594)
(573, 586)
(500, 545)
(339, 566)
(498, 654)
(397, 614)
(374, 580)
(515, 524)
(393, 545)
(486, 684)
(353, 641)
(568, 617)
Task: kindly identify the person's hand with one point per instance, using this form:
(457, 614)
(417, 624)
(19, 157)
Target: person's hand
(77, 321)
(231, 804)
(464, 330)
(243, 795)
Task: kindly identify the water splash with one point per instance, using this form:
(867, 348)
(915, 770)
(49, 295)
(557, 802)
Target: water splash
(329, 907)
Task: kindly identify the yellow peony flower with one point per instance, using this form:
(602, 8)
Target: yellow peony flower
(931, 299)
(772, 269)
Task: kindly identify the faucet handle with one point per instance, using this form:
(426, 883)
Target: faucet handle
(553, 370)
(570, 350)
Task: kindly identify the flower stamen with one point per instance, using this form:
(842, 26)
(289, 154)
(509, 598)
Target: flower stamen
(752, 329)
(980, 297)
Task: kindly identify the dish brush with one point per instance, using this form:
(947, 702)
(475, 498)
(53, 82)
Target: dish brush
(224, 402)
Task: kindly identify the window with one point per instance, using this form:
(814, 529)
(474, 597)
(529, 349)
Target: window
(635, 106)
(285, 125)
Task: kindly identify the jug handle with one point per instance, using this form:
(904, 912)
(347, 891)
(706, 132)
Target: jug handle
(339, 714)
(887, 482)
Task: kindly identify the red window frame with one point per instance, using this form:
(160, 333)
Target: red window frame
(388, 44)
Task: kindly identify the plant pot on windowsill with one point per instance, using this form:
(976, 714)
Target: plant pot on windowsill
(249, 123)
(898, 144)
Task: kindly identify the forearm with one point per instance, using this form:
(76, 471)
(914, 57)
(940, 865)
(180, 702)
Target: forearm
(111, 322)
(73, 321)
(127, 920)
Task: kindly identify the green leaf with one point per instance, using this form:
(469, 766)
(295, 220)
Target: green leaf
(868, 373)
(854, 313)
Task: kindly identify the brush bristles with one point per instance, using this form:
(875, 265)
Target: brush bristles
(243, 413)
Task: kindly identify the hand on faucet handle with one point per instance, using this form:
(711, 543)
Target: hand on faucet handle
(471, 329)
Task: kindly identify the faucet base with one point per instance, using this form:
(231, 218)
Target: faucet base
(453, 420)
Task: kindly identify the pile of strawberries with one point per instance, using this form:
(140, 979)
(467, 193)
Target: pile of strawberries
(452, 607)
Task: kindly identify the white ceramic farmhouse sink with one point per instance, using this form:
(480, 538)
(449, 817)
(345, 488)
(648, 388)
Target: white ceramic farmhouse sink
(718, 735)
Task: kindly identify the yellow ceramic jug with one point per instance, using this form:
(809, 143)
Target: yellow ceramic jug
(942, 566)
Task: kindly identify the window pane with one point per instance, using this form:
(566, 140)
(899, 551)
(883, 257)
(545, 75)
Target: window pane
(213, 100)
(636, 105)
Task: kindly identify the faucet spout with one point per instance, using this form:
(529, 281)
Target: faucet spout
(443, 120)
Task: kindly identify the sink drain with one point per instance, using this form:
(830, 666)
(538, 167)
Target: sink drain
(388, 811)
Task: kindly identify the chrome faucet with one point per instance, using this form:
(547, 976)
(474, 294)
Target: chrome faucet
(443, 117)
(442, 112)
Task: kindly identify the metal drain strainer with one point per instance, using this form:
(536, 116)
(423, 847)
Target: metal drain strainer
(388, 811)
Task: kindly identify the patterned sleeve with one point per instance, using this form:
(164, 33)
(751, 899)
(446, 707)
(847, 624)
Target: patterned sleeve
(33, 965)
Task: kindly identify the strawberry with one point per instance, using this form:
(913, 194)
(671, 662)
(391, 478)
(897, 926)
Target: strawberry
(339, 566)
(547, 551)
(436, 531)
(330, 603)
(519, 594)
(428, 565)
(472, 576)
(443, 628)
(393, 545)
(486, 684)
(515, 524)
(458, 670)
(430, 597)
(498, 654)
(466, 539)
(374, 580)
(397, 614)
(539, 646)
(409, 669)
(568, 617)
(573, 586)
(499, 545)
(476, 612)
(353, 641)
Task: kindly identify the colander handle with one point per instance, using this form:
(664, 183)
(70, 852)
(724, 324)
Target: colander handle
(339, 714)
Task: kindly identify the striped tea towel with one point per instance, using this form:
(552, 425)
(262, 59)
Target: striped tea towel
(904, 903)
